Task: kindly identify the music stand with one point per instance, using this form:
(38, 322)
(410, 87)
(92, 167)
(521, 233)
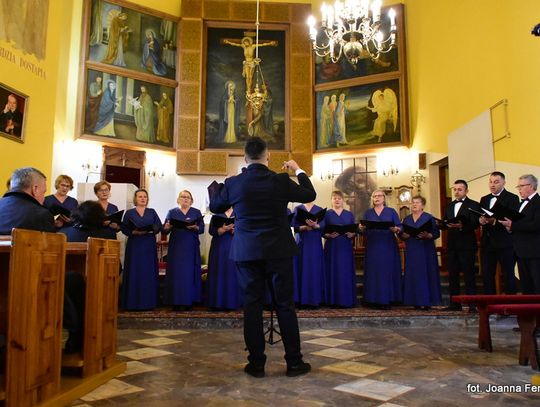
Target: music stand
(270, 330)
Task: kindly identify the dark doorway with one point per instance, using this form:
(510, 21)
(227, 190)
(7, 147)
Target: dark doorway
(123, 175)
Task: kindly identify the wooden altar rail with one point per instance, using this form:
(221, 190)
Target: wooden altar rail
(32, 267)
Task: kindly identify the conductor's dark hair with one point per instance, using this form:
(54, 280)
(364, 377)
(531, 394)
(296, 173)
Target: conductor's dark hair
(462, 181)
(89, 214)
(497, 174)
(254, 148)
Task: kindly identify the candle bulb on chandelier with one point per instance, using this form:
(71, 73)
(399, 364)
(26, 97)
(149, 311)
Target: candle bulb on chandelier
(323, 15)
(376, 10)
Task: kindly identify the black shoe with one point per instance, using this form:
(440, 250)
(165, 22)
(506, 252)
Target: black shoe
(426, 308)
(453, 307)
(298, 369)
(472, 309)
(417, 308)
(255, 371)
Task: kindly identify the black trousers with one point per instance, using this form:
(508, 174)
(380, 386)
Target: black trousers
(461, 261)
(505, 257)
(252, 278)
(74, 304)
(529, 273)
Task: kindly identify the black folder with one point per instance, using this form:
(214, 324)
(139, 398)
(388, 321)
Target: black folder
(219, 221)
(341, 229)
(213, 188)
(378, 225)
(145, 228)
(443, 223)
(413, 232)
(500, 212)
(303, 215)
(183, 224)
(116, 217)
(60, 210)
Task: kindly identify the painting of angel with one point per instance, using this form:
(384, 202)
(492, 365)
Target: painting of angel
(368, 115)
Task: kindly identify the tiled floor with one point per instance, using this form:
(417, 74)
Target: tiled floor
(393, 366)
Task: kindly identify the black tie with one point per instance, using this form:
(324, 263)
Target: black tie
(525, 200)
(494, 196)
(459, 200)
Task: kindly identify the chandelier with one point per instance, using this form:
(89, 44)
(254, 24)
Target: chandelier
(349, 28)
(258, 96)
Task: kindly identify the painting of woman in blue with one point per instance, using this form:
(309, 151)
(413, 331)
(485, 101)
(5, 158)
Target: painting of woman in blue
(105, 122)
(421, 283)
(339, 255)
(310, 261)
(223, 288)
(382, 267)
(151, 56)
(183, 278)
(140, 279)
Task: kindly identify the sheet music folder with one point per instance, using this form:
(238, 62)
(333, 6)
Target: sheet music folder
(183, 224)
(60, 210)
(219, 221)
(413, 232)
(376, 225)
(116, 217)
(341, 229)
(303, 215)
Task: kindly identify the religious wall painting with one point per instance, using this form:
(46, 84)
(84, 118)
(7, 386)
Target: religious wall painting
(356, 177)
(327, 71)
(127, 38)
(13, 108)
(23, 24)
(230, 71)
(127, 110)
(370, 115)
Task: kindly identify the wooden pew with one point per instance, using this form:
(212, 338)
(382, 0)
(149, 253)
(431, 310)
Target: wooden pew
(100, 326)
(35, 294)
(482, 302)
(528, 317)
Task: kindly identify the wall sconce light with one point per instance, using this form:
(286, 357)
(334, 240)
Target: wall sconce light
(417, 180)
(155, 173)
(390, 171)
(327, 175)
(89, 167)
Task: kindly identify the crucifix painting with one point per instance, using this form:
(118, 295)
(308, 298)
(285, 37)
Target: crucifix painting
(231, 73)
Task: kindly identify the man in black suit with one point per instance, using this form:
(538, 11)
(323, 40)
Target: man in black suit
(497, 243)
(526, 234)
(10, 117)
(263, 247)
(21, 207)
(461, 241)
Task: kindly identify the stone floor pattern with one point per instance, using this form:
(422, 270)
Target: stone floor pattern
(387, 367)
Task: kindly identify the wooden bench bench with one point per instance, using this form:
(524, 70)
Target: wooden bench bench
(33, 312)
(528, 317)
(99, 261)
(482, 302)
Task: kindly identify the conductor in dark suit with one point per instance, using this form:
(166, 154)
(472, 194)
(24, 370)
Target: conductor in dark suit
(263, 247)
(461, 241)
(526, 234)
(497, 243)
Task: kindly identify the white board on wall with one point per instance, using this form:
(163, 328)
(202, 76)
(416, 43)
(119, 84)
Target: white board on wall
(470, 149)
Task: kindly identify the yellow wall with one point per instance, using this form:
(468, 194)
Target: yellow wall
(38, 133)
(464, 56)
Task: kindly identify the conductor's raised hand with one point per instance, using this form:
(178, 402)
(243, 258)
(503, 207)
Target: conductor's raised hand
(290, 165)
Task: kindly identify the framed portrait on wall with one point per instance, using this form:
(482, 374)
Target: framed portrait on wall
(13, 107)
(367, 115)
(128, 88)
(230, 72)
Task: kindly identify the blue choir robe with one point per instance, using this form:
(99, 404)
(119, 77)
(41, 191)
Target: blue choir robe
(140, 282)
(111, 208)
(339, 265)
(69, 203)
(223, 288)
(183, 278)
(309, 264)
(382, 267)
(421, 282)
